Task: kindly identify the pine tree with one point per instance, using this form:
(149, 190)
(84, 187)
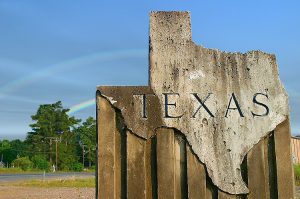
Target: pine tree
(52, 125)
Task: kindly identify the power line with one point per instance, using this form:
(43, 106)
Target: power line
(30, 151)
(46, 152)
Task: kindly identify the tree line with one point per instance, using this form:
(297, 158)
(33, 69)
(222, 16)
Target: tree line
(57, 141)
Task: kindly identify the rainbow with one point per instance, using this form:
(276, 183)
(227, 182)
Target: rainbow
(81, 106)
(69, 64)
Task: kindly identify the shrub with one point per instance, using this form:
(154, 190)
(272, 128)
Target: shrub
(64, 167)
(23, 162)
(77, 167)
(297, 171)
(40, 162)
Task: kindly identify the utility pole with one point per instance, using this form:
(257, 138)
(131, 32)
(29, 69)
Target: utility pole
(55, 139)
(50, 149)
(90, 163)
(83, 155)
(83, 151)
(56, 155)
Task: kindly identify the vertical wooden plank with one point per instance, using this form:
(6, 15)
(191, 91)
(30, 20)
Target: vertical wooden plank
(223, 195)
(266, 165)
(272, 167)
(167, 168)
(148, 165)
(196, 176)
(293, 146)
(136, 170)
(208, 192)
(296, 147)
(297, 150)
(117, 159)
(256, 172)
(177, 173)
(165, 163)
(109, 163)
(285, 177)
(183, 166)
(211, 189)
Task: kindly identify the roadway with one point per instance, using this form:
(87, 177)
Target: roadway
(42, 176)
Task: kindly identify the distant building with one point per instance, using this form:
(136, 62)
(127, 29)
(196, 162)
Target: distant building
(295, 145)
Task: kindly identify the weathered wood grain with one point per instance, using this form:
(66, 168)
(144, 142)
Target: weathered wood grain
(209, 192)
(266, 165)
(148, 167)
(136, 168)
(256, 172)
(168, 177)
(109, 142)
(223, 195)
(285, 178)
(196, 176)
(177, 170)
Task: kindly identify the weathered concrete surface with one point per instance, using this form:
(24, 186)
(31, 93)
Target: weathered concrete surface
(177, 65)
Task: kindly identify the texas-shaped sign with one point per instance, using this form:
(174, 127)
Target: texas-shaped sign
(224, 103)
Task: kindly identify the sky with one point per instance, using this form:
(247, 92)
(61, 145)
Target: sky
(54, 50)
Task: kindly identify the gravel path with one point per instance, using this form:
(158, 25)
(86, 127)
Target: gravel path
(15, 192)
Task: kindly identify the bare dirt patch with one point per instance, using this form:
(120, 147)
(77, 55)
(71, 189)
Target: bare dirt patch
(17, 192)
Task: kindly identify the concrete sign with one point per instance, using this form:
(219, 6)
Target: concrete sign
(224, 103)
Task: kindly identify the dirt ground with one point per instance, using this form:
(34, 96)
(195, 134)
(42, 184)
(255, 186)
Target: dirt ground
(15, 192)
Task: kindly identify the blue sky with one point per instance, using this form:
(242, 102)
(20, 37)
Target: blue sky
(60, 50)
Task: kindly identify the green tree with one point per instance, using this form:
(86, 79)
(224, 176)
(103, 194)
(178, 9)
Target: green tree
(40, 162)
(5, 152)
(23, 162)
(86, 136)
(52, 134)
(10, 150)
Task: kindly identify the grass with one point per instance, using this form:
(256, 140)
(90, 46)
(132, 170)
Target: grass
(297, 174)
(17, 170)
(77, 183)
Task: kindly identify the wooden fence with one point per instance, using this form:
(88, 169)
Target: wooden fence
(295, 144)
(165, 166)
